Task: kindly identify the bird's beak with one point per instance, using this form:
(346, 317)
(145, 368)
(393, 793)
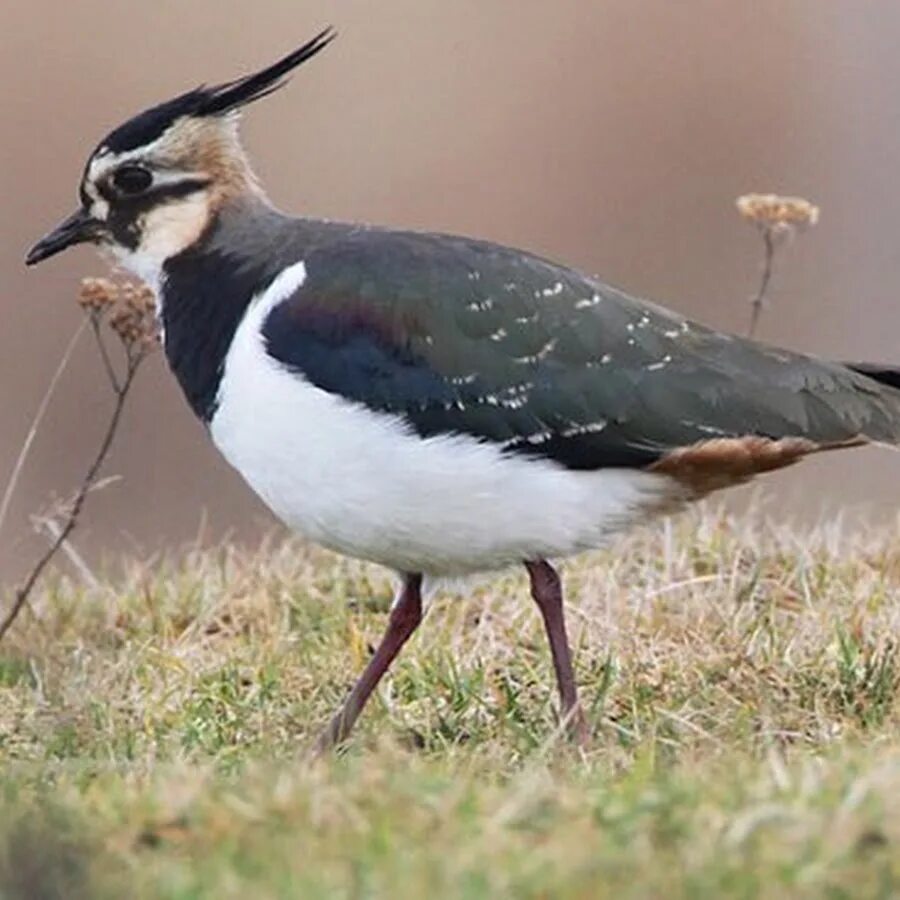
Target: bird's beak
(77, 229)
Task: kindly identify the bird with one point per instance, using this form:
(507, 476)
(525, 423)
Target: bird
(436, 404)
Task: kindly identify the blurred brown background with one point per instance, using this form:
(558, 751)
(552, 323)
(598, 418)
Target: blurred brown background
(612, 135)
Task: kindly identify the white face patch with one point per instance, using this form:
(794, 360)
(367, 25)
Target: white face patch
(99, 209)
(165, 231)
(168, 229)
(97, 206)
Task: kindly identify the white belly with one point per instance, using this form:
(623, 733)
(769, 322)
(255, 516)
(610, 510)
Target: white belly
(364, 484)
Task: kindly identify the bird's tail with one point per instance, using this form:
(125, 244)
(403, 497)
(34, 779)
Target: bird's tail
(887, 375)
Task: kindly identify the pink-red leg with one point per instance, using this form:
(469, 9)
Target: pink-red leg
(546, 589)
(404, 619)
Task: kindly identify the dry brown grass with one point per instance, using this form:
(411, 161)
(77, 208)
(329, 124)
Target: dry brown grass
(742, 683)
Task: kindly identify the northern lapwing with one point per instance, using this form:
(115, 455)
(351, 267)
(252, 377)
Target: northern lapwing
(436, 404)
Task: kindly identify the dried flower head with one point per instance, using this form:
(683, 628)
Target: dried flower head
(134, 316)
(97, 294)
(777, 213)
(129, 309)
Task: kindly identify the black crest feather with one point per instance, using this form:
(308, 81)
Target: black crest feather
(218, 100)
(233, 94)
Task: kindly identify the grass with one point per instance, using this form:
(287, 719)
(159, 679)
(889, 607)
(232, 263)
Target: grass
(742, 682)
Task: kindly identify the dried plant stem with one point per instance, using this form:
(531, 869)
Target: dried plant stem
(133, 361)
(35, 424)
(104, 353)
(759, 300)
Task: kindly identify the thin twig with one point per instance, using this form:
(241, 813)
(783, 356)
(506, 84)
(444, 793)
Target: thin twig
(758, 302)
(35, 424)
(104, 353)
(134, 359)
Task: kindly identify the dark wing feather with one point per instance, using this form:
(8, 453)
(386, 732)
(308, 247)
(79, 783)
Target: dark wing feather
(462, 336)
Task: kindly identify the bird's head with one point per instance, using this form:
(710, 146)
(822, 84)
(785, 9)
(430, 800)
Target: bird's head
(154, 184)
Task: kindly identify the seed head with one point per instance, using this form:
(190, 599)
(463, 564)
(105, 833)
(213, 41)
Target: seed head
(97, 294)
(128, 307)
(134, 316)
(776, 213)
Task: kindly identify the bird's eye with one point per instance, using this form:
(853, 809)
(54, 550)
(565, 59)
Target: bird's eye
(132, 179)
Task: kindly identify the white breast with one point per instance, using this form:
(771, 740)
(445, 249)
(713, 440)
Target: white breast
(364, 484)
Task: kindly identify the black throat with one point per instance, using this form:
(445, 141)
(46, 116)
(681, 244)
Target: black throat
(205, 292)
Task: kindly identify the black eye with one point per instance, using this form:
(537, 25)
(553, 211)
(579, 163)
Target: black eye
(131, 179)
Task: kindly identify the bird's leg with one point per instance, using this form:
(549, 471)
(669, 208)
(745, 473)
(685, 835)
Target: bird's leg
(406, 614)
(546, 589)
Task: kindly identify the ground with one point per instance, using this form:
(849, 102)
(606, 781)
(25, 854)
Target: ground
(742, 683)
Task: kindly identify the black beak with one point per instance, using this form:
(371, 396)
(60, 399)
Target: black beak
(77, 229)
